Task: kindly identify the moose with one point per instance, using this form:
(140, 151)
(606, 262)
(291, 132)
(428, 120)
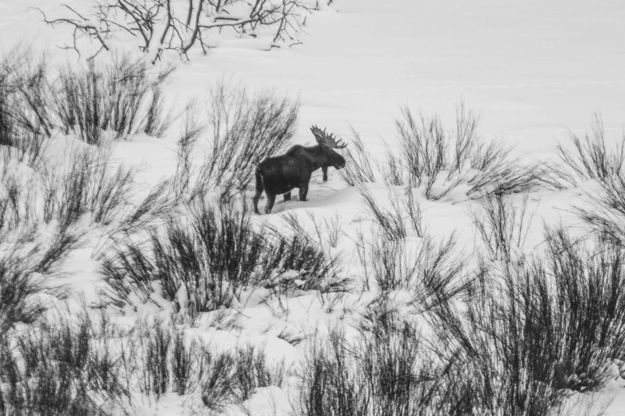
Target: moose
(280, 174)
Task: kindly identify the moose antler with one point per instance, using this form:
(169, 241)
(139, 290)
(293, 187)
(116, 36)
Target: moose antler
(327, 139)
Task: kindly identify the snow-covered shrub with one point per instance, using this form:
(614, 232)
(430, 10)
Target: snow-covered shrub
(589, 290)
(383, 372)
(121, 95)
(591, 157)
(243, 129)
(168, 363)
(503, 226)
(533, 333)
(25, 259)
(157, 119)
(58, 246)
(186, 184)
(328, 381)
(232, 378)
(24, 115)
(299, 253)
(327, 230)
(213, 255)
(16, 204)
(17, 287)
(183, 360)
(358, 165)
(606, 216)
(57, 368)
(487, 362)
(392, 222)
(432, 273)
(156, 362)
(87, 185)
(82, 366)
(253, 371)
(440, 161)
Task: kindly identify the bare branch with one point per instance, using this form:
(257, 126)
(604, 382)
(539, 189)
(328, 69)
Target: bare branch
(158, 26)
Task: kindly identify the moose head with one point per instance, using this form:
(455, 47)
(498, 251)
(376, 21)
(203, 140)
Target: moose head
(328, 142)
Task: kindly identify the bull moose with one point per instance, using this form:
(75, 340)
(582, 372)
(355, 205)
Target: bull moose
(280, 174)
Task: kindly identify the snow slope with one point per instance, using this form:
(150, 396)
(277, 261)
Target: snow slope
(532, 69)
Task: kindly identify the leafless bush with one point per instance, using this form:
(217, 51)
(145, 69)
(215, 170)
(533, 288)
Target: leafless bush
(25, 118)
(184, 178)
(440, 161)
(423, 149)
(213, 255)
(312, 267)
(213, 258)
(327, 232)
(494, 359)
(88, 185)
(591, 158)
(534, 332)
(512, 177)
(168, 362)
(393, 223)
(57, 368)
(606, 213)
(430, 271)
(160, 25)
(156, 205)
(120, 95)
(503, 227)
(17, 205)
(24, 265)
(358, 166)
(383, 372)
(244, 129)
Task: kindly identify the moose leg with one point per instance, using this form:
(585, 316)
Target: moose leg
(259, 191)
(255, 199)
(325, 173)
(303, 191)
(287, 196)
(271, 198)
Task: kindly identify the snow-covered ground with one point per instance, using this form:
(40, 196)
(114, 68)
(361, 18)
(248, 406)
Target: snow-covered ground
(534, 70)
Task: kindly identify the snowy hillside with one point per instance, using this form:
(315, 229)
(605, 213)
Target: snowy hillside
(469, 258)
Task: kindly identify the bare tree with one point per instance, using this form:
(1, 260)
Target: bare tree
(179, 25)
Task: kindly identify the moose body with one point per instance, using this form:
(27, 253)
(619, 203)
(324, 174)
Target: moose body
(281, 174)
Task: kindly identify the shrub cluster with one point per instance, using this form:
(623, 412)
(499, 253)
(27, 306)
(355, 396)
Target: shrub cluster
(439, 161)
(534, 333)
(121, 95)
(57, 369)
(242, 130)
(591, 157)
(84, 368)
(213, 255)
(528, 336)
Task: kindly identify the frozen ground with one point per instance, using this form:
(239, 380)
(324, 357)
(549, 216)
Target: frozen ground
(533, 70)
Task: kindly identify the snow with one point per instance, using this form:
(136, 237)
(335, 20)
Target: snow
(534, 70)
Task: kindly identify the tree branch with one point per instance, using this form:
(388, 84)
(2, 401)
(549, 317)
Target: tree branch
(179, 28)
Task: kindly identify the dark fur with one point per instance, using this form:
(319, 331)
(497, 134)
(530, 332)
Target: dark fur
(280, 174)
